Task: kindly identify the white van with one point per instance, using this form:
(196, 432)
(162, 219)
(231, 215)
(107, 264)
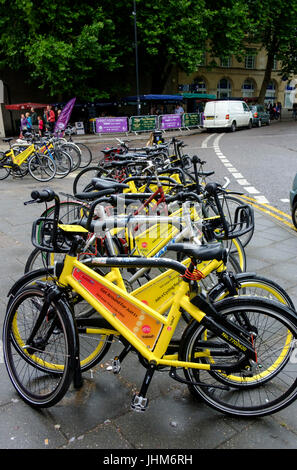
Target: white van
(227, 114)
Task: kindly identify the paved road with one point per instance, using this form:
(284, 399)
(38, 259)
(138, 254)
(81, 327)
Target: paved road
(98, 416)
(262, 162)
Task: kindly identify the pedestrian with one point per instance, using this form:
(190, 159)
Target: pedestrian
(40, 125)
(50, 118)
(23, 125)
(179, 109)
(29, 121)
(34, 120)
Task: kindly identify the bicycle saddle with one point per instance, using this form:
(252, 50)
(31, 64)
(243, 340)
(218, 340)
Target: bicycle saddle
(201, 252)
(7, 139)
(100, 184)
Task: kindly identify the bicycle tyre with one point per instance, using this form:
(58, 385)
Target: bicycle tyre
(63, 163)
(4, 172)
(86, 155)
(82, 181)
(74, 152)
(31, 381)
(42, 167)
(93, 344)
(255, 286)
(278, 371)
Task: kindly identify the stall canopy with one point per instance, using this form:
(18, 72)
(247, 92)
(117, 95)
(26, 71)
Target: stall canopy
(155, 98)
(199, 96)
(20, 106)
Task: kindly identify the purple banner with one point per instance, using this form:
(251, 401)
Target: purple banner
(119, 124)
(64, 117)
(171, 121)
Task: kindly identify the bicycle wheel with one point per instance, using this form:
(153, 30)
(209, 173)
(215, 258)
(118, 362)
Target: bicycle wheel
(4, 172)
(52, 349)
(86, 155)
(63, 163)
(255, 286)
(42, 167)
(270, 384)
(95, 334)
(82, 181)
(74, 153)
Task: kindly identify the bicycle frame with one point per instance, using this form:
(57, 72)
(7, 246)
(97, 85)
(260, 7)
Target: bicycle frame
(146, 329)
(21, 157)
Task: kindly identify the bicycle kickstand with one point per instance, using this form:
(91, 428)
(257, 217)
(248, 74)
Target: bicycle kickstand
(139, 401)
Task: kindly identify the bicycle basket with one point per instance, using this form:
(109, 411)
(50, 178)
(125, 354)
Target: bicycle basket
(242, 223)
(47, 236)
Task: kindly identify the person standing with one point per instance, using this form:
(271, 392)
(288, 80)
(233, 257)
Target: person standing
(24, 125)
(34, 120)
(50, 118)
(29, 122)
(179, 109)
(40, 126)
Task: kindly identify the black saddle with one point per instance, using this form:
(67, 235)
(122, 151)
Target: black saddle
(201, 252)
(100, 184)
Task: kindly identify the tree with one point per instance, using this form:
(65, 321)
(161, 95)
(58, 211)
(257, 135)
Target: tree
(273, 24)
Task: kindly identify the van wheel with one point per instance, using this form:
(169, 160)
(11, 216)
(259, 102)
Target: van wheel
(233, 127)
(268, 122)
(250, 124)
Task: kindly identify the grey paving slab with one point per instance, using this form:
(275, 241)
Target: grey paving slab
(173, 423)
(24, 428)
(105, 436)
(263, 434)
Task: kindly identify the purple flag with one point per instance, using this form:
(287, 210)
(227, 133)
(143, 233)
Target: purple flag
(64, 117)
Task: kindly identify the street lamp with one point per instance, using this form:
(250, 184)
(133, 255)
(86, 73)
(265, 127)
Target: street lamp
(136, 59)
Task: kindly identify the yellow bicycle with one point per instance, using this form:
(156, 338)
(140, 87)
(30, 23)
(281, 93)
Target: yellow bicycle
(41, 167)
(235, 354)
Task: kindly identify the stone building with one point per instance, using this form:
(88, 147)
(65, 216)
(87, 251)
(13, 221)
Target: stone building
(230, 78)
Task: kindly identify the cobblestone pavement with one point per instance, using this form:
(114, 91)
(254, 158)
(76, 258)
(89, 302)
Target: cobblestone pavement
(98, 416)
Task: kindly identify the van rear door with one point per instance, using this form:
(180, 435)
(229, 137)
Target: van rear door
(221, 111)
(209, 114)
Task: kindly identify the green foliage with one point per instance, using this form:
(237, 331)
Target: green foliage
(86, 48)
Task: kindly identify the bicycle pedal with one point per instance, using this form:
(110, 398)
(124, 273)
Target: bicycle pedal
(116, 366)
(139, 403)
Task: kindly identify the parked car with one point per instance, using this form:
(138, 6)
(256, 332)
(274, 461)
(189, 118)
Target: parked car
(260, 116)
(229, 114)
(293, 201)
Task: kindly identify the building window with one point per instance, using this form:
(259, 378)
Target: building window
(248, 88)
(270, 93)
(250, 61)
(224, 88)
(274, 67)
(198, 86)
(226, 62)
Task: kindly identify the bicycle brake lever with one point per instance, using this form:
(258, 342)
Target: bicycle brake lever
(32, 201)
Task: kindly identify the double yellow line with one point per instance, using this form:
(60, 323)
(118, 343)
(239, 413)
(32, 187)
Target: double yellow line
(270, 210)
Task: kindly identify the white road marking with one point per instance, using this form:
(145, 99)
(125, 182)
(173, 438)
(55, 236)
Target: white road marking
(205, 141)
(251, 190)
(285, 200)
(260, 198)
